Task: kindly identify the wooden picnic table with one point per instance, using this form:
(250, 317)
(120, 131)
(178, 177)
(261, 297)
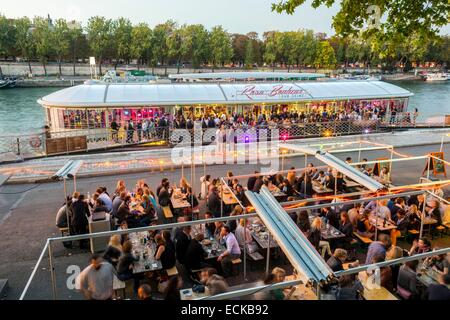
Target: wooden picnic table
(141, 249)
(373, 292)
(178, 200)
(227, 197)
(320, 189)
(211, 245)
(380, 224)
(262, 237)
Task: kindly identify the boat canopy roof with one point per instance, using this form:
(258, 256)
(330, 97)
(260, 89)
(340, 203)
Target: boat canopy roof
(100, 94)
(245, 75)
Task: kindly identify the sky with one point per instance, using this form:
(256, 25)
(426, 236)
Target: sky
(236, 16)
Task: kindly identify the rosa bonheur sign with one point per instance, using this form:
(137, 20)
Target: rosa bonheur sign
(274, 92)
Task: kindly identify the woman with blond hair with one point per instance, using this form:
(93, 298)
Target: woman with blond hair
(315, 237)
(120, 187)
(184, 185)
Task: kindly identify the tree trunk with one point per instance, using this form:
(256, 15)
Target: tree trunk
(45, 69)
(59, 67)
(29, 66)
(165, 70)
(100, 66)
(74, 62)
(178, 66)
(1, 72)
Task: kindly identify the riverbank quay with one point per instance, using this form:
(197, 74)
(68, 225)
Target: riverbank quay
(161, 159)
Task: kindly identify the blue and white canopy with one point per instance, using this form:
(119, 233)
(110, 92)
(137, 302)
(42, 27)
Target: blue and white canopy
(108, 95)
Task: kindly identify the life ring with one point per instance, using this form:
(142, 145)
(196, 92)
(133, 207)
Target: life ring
(35, 142)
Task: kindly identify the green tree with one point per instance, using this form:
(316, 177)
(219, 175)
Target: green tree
(160, 51)
(270, 48)
(99, 31)
(7, 38)
(76, 42)
(121, 37)
(239, 44)
(25, 40)
(60, 41)
(249, 54)
(326, 57)
(401, 16)
(179, 44)
(221, 49)
(141, 37)
(43, 35)
(198, 37)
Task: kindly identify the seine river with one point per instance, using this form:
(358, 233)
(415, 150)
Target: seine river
(21, 114)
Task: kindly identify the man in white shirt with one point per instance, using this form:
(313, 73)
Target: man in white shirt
(96, 280)
(232, 251)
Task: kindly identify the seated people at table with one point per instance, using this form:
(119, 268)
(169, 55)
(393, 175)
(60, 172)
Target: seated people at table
(320, 177)
(291, 176)
(192, 199)
(117, 202)
(229, 178)
(349, 288)
(217, 231)
(251, 182)
(204, 187)
(306, 187)
(277, 180)
(213, 202)
(382, 211)
(399, 204)
(354, 214)
(149, 214)
(125, 265)
(209, 227)
(124, 210)
(346, 227)
(385, 176)
(407, 284)
(259, 182)
(78, 220)
(103, 195)
(364, 227)
(420, 246)
(440, 291)
(329, 182)
(139, 193)
(215, 283)
(145, 292)
(164, 252)
(385, 274)
(303, 222)
(96, 280)
(164, 195)
(315, 237)
(402, 223)
(184, 185)
(341, 185)
(286, 188)
(432, 211)
(62, 214)
(378, 247)
(182, 240)
(232, 251)
(114, 250)
(331, 217)
(240, 195)
(172, 291)
(120, 187)
(413, 215)
(335, 262)
(99, 206)
(234, 184)
(439, 263)
(195, 254)
(158, 189)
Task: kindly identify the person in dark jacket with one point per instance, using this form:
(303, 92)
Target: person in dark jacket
(303, 222)
(439, 291)
(164, 195)
(408, 286)
(346, 227)
(306, 187)
(125, 265)
(195, 254)
(331, 217)
(210, 227)
(79, 219)
(165, 251)
(335, 262)
(259, 182)
(213, 202)
(314, 235)
(124, 210)
(349, 288)
(182, 240)
(172, 292)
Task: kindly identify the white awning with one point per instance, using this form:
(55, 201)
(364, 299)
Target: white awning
(99, 94)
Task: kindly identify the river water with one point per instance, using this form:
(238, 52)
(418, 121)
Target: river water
(21, 114)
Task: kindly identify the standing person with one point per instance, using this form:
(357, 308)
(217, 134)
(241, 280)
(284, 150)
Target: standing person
(195, 254)
(139, 130)
(114, 130)
(232, 251)
(415, 115)
(96, 280)
(164, 252)
(130, 131)
(125, 265)
(79, 220)
(114, 250)
(182, 240)
(205, 182)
